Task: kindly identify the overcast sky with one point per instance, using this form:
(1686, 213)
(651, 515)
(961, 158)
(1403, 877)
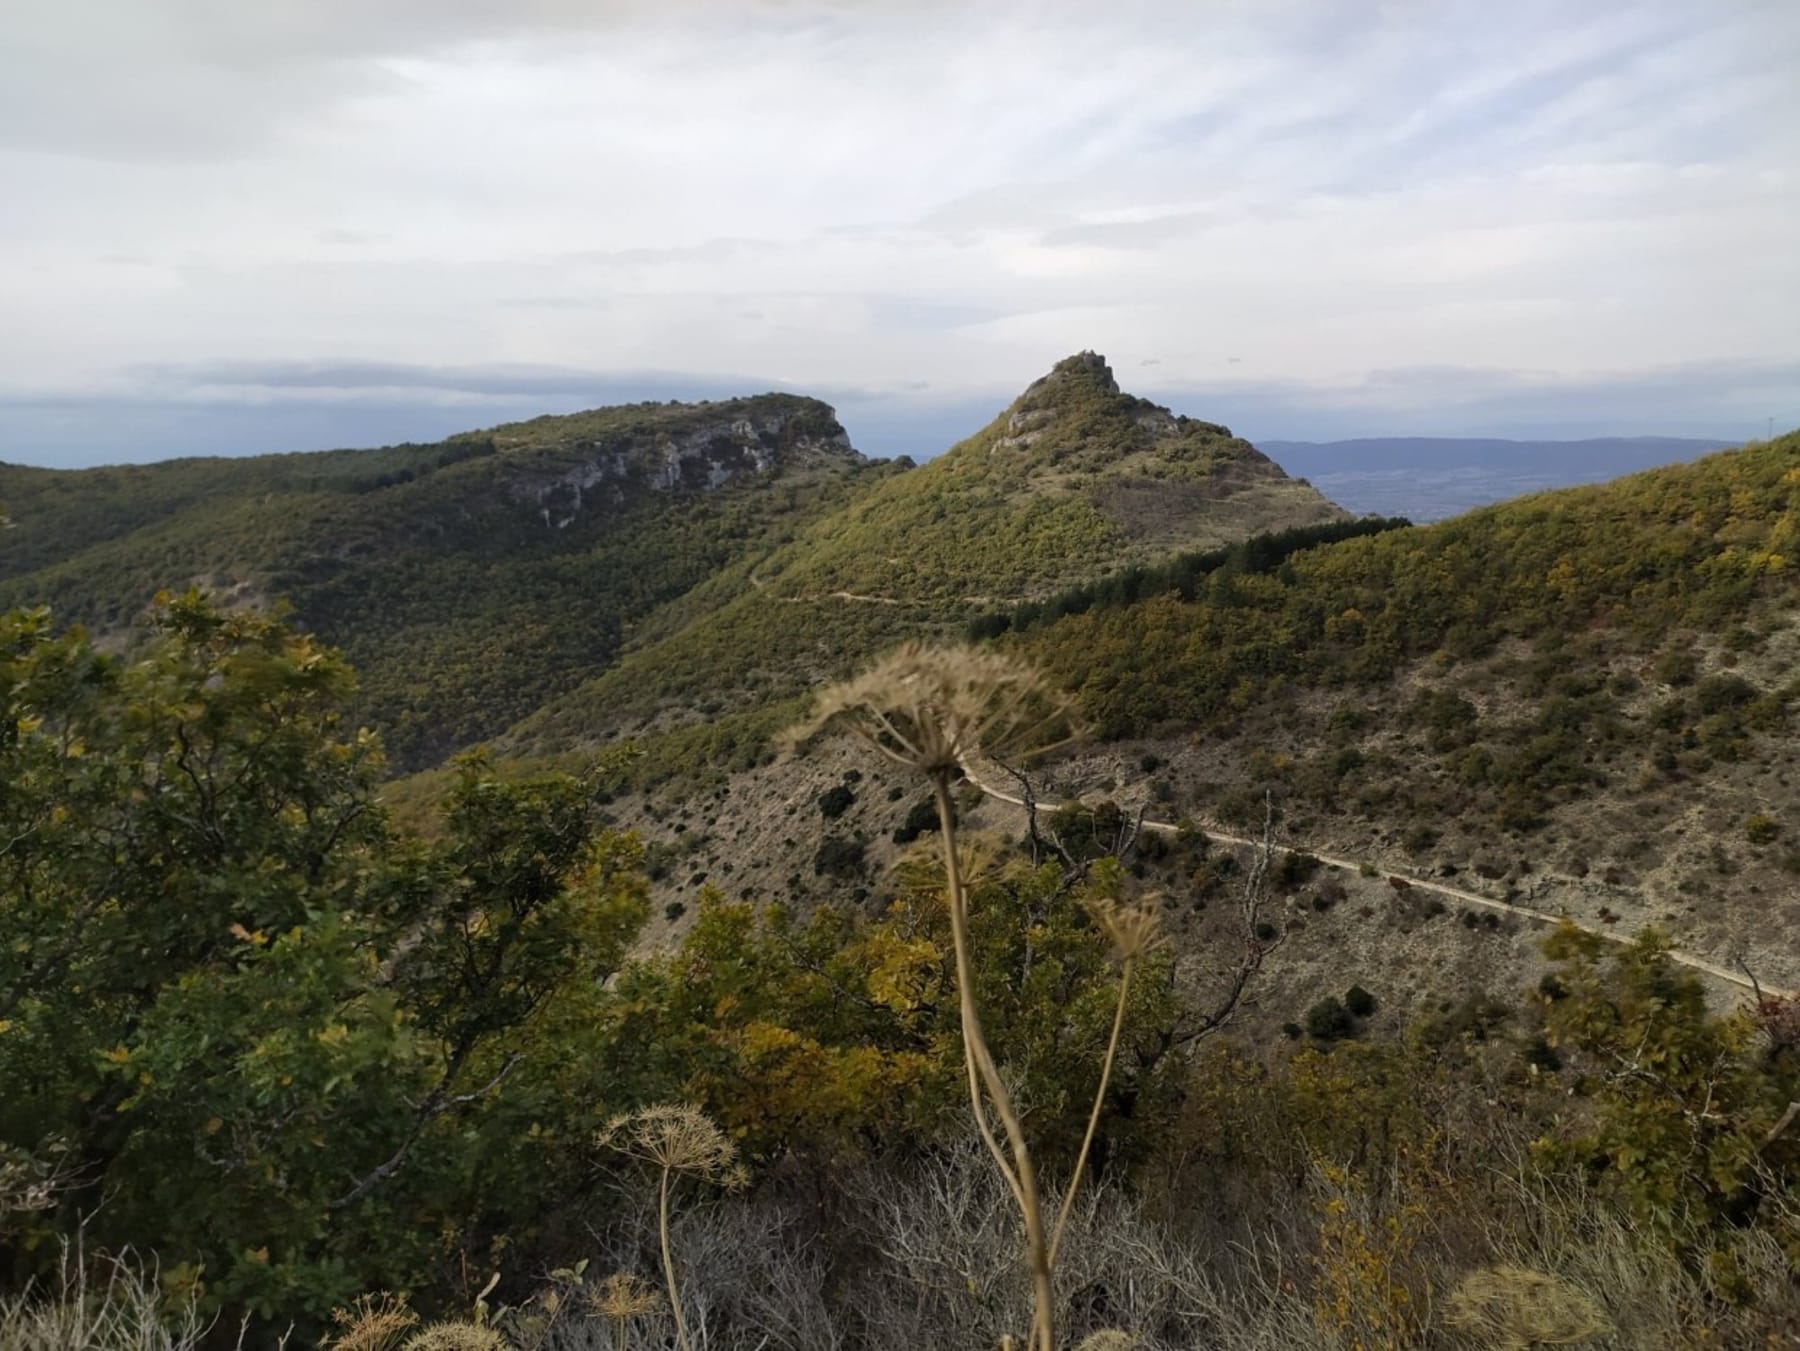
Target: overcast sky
(277, 224)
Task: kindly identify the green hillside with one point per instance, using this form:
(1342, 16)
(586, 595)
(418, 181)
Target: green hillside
(1072, 479)
(1614, 568)
(468, 580)
(1585, 696)
(353, 1060)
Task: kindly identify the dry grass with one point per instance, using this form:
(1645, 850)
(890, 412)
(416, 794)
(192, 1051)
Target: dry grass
(96, 1303)
(1513, 1309)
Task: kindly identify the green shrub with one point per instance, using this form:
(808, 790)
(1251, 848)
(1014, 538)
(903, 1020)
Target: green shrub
(1329, 1020)
(835, 801)
(1677, 668)
(840, 857)
(1762, 829)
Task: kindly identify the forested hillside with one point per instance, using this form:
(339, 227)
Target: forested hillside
(469, 580)
(1587, 694)
(1073, 478)
(580, 575)
(358, 1090)
(1258, 987)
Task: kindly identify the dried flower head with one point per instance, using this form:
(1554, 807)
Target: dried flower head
(933, 709)
(1513, 1308)
(372, 1323)
(979, 855)
(1133, 928)
(625, 1294)
(677, 1137)
(456, 1337)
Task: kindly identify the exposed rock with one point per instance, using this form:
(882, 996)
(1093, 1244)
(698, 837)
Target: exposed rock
(703, 458)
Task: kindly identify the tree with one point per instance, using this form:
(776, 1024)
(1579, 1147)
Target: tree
(269, 1032)
(1692, 1111)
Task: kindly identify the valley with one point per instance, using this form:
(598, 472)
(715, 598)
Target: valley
(1393, 823)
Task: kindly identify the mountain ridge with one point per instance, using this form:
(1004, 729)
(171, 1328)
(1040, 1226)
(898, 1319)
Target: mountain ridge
(467, 579)
(1072, 478)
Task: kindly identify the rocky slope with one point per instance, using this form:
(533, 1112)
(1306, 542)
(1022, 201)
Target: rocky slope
(1581, 703)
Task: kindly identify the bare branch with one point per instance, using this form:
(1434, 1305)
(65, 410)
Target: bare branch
(435, 1106)
(1039, 841)
(1256, 948)
(1787, 1119)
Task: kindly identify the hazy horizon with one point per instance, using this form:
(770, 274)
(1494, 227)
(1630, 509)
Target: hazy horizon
(287, 226)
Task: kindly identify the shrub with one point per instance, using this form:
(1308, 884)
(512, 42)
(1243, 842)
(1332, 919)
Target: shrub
(1761, 829)
(1329, 1020)
(674, 910)
(1717, 693)
(922, 818)
(1418, 839)
(1295, 869)
(835, 801)
(840, 857)
(1677, 668)
(1359, 1002)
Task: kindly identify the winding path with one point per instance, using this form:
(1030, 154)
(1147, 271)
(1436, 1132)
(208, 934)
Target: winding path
(1424, 884)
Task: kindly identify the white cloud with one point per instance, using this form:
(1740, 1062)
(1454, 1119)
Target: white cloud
(879, 195)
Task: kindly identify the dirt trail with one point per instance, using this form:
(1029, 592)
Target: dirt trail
(1425, 884)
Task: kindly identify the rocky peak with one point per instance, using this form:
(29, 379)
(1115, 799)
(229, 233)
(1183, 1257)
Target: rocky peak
(1083, 370)
(1080, 399)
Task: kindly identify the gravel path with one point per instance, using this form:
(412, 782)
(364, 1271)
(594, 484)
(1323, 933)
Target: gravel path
(1425, 884)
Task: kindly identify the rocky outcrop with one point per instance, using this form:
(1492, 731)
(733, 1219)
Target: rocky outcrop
(708, 451)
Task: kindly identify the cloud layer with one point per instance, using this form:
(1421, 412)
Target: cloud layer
(1454, 217)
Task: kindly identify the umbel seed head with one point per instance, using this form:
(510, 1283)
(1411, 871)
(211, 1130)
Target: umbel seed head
(677, 1137)
(372, 1323)
(933, 709)
(1133, 929)
(625, 1294)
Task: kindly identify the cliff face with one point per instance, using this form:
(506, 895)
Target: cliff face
(688, 448)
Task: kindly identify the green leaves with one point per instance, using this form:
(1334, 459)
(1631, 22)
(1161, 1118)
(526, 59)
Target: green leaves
(1687, 1106)
(271, 1033)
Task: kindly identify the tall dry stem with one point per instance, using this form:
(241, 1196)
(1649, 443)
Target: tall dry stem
(1134, 931)
(932, 710)
(678, 1140)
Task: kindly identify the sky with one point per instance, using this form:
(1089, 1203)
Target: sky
(234, 227)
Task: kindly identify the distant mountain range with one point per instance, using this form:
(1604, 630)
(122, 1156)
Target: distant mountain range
(1430, 477)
